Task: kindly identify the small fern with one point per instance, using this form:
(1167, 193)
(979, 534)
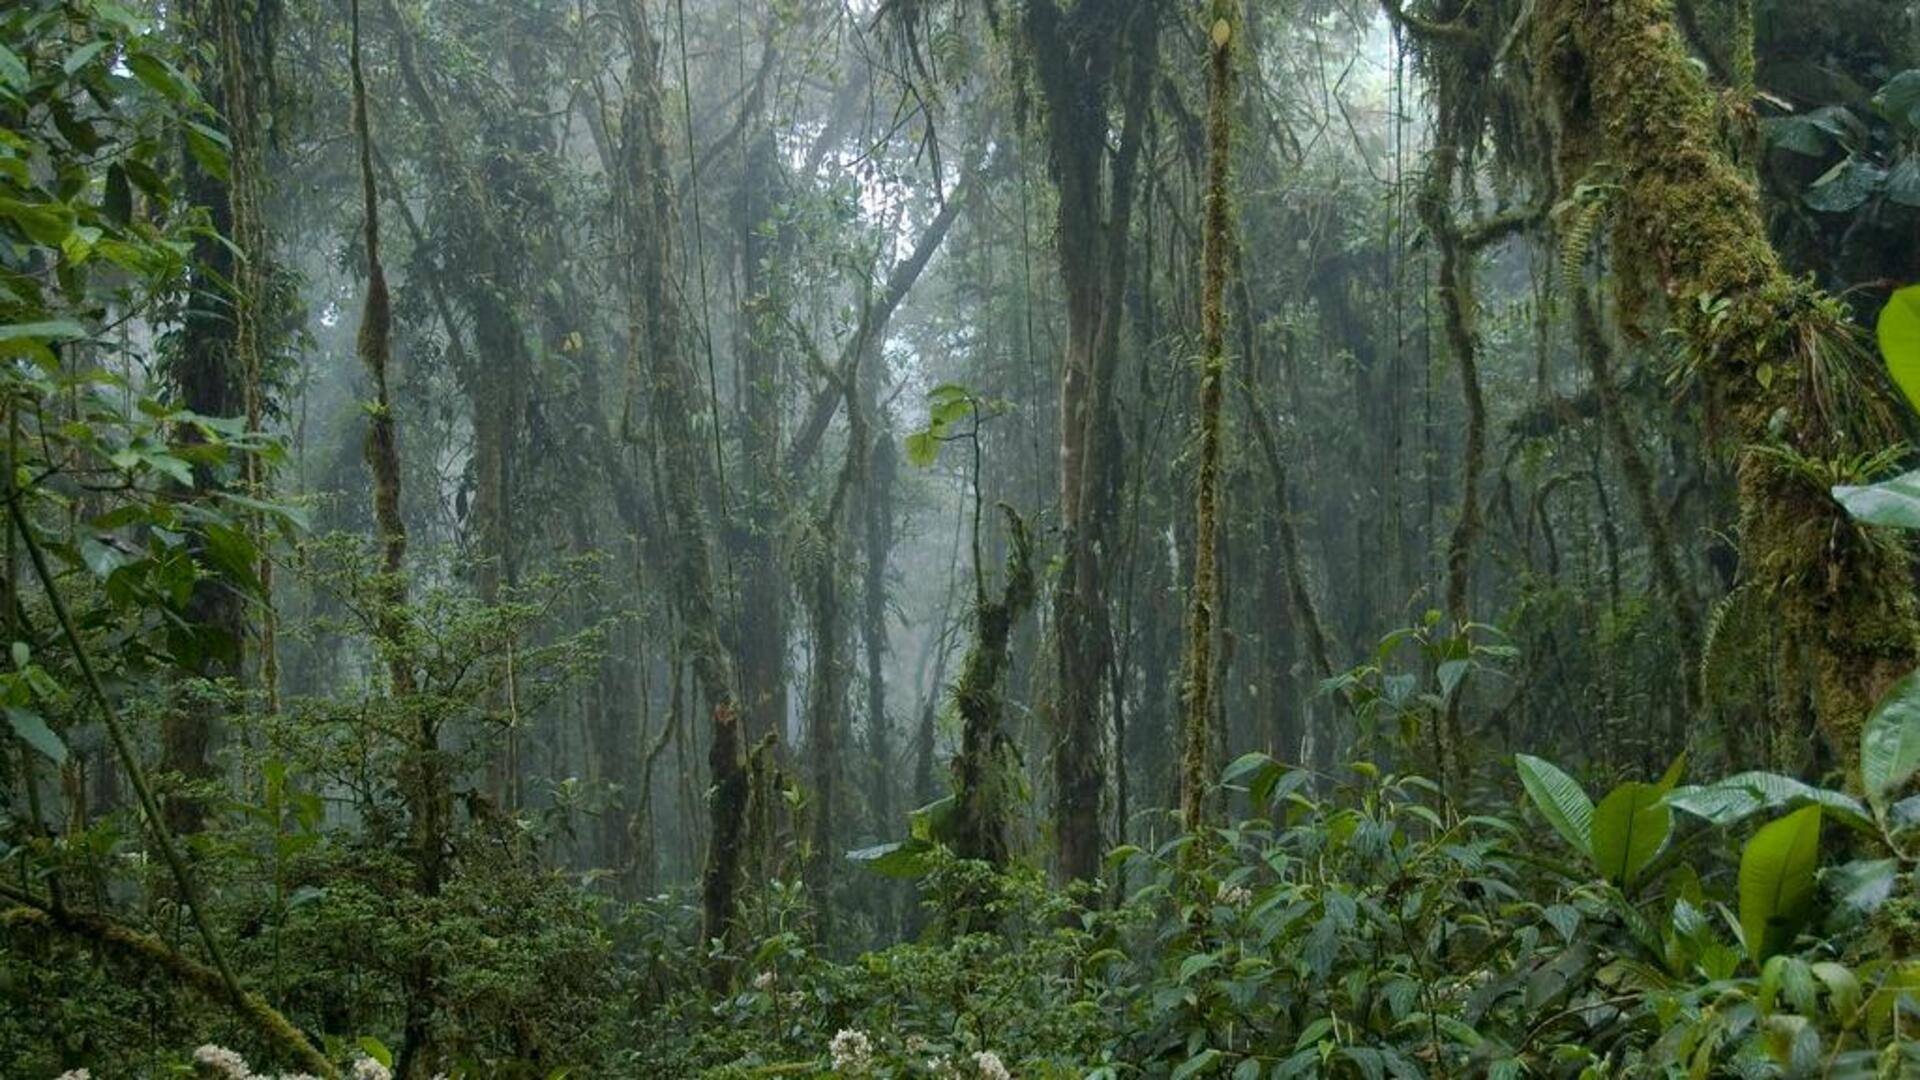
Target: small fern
(1579, 217)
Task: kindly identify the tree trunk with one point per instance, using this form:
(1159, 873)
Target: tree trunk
(986, 755)
(1076, 57)
(1204, 602)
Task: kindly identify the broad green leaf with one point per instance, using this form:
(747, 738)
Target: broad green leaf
(1893, 503)
(1630, 826)
(50, 330)
(1313, 1032)
(922, 449)
(1862, 886)
(1899, 332)
(376, 1050)
(932, 822)
(1846, 186)
(13, 70)
(31, 729)
(1890, 745)
(44, 223)
(1244, 764)
(1843, 987)
(1778, 870)
(1195, 1064)
(84, 55)
(1559, 799)
(162, 78)
(1736, 798)
(1903, 183)
(1899, 99)
(1194, 965)
(209, 150)
(899, 859)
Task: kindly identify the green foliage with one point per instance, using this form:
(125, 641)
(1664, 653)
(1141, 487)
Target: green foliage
(1898, 329)
(1893, 503)
(1630, 827)
(1777, 882)
(1890, 744)
(1559, 799)
(1357, 927)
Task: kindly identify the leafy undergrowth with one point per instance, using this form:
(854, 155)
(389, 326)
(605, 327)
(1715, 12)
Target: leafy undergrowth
(1366, 932)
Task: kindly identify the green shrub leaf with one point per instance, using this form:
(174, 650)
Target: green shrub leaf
(1559, 799)
(1890, 746)
(1899, 333)
(1630, 827)
(1894, 503)
(1777, 876)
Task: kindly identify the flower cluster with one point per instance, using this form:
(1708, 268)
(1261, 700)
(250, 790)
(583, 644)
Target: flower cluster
(1235, 896)
(224, 1064)
(990, 1066)
(852, 1052)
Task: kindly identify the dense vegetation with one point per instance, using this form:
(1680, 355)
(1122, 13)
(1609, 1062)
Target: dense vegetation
(959, 538)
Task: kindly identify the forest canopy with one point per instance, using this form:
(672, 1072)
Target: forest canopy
(965, 539)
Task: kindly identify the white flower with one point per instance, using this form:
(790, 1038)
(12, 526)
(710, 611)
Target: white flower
(75, 1074)
(223, 1062)
(990, 1066)
(852, 1051)
(368, 1069)
(1235, 896)
(942, 1067)
(763, 982)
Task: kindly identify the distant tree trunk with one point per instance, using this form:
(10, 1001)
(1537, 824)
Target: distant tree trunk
(826, 717)
(1778, 354)
(490, 264)
(1454, 285)
(828, 682)
(878, 511)
(208, 376)
(763, 581)
(1076, 57)
(423, 782)
(657, 342)
(981, 768)
(1204, 601)
(1591, 337)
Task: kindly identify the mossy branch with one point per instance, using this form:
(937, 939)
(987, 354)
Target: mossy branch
(140, 947)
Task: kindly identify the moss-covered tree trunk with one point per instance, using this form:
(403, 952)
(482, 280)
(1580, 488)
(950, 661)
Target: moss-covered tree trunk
(1777, 358)
(982, 768)
(1204, 600)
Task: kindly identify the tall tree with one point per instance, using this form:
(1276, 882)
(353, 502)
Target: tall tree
(1204, 600)
(1080, 55)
